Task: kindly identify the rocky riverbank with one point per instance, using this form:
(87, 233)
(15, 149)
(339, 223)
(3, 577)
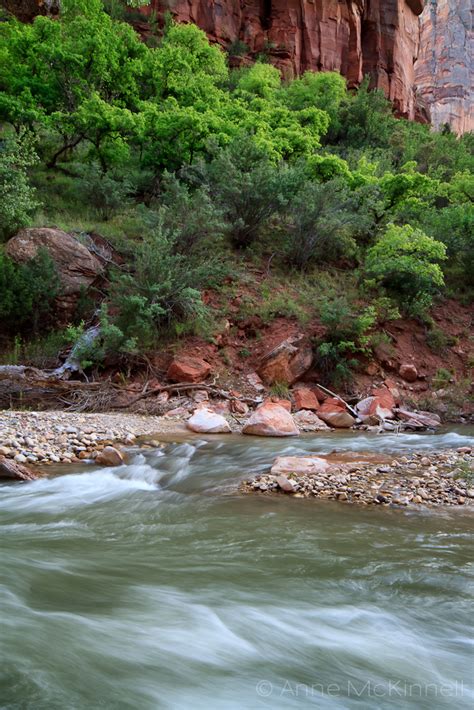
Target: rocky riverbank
(437, 479)
(57, 437)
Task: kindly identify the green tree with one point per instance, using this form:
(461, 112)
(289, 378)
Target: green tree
(260, 80)
(323, 90)
(404, 261)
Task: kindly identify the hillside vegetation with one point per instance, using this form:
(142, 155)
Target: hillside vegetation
(202, 177)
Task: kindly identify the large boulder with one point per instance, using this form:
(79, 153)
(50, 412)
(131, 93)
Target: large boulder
(13, 471)
(305, 398)
(288, 362)
(379, 406)
(76, 267)
(333, 412)
(285, 403)
(271, 420)
(188, 369)
(205, 421)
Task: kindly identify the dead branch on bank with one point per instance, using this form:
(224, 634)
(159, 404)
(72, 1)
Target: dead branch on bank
(30, 388)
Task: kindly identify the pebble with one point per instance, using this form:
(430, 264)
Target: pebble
(55, 437)
(367, 484)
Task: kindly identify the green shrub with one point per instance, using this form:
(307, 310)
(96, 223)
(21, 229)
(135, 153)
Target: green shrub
(320, 225)
(442, 378)
(27, 293)
(248, 188)
(437, 340)
(404, 262)
(347, 335)
(191, 215)
(162, 288)
(17, 197)
(107, 193)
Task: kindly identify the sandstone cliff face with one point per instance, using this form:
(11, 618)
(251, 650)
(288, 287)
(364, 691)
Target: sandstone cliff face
(355, 37)
(444, 70)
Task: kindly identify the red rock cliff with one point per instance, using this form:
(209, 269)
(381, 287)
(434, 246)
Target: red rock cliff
(355, 37)
(444, 70)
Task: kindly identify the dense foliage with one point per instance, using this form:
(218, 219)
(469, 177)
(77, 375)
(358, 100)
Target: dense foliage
(189, 165)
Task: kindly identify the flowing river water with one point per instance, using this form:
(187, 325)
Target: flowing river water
(156, 585)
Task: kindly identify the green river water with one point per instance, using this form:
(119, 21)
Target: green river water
(156, 585)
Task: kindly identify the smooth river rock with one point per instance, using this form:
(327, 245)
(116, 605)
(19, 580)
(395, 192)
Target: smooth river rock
(271, 420)
(205, 421)
(109, 456)
(301, 465)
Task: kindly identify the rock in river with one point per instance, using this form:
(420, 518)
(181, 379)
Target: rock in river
(14, 471)
(110, 456)
(301, 465)
(271, 420)
(205, 421)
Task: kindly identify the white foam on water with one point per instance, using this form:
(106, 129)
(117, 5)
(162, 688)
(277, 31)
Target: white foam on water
(72, 490)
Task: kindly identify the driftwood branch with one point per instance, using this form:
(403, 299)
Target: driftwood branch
(32, 388)
(333, 394)
(183, 387)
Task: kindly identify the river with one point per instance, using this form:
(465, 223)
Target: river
(156, 585)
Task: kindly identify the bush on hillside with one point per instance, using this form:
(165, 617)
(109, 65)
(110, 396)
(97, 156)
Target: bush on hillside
(320, 225)
(404, 261)
(161, 290)
(17, 197)
(248, 188)
(27, 293)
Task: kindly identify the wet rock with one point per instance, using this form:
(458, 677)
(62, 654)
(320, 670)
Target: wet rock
(188, 369)
(15, 471)
(271, 420)
(334, 413)
(110, 456)
(419, 420)
(285, 484)
(300, 465)
(205, 421)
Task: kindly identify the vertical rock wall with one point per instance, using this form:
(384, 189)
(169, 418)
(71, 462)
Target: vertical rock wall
(355, 37)
(385, 39)
(444, 70)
